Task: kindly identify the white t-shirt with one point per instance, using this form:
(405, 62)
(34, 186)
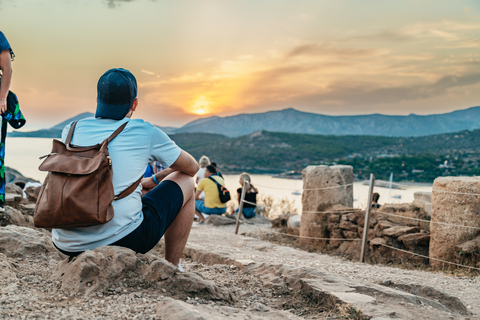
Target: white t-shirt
(200, 174)
(138, 144)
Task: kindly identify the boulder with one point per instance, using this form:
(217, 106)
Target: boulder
(469, 247)
(13, 216)
(347, 225)
(413, 240)
(217, 220)
(22, 242)
(455, 203)
(108, 268)
(13, 200)
(32, 193)
(398, 231)
(350, 234)
(13, 188)
(323, 187)
(27, 209)
(281, 221)
(336, 234)
(294, 221)
(377, 242)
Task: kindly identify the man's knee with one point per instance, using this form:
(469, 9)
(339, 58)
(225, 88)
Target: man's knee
(184, 181)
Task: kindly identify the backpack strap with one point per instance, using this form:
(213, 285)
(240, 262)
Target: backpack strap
(70, 133)
(129, 190)
(218, 184)
(110, 138)
(116, 132)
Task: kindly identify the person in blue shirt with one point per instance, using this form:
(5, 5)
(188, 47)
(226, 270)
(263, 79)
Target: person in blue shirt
(162, 205)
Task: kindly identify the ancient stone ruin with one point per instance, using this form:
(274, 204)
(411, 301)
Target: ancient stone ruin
(323, 187)
(455, 203)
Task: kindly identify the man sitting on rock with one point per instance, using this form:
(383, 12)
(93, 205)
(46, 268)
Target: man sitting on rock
(212, 203)
(168, 204)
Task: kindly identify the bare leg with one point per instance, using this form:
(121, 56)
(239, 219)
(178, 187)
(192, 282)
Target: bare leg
(201, 218)
(176, 235)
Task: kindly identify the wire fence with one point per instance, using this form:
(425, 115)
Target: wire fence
(430, 258)
(314, 189)
(427, 221)
(354, 210)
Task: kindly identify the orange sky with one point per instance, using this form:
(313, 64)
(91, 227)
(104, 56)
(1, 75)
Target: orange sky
(217, 57)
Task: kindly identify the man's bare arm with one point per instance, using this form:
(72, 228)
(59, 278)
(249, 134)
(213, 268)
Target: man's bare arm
(185, 163)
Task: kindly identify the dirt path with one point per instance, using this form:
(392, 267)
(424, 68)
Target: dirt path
(249, 250)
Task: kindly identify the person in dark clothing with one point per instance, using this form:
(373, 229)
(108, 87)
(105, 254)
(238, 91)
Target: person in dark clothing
(249, 207)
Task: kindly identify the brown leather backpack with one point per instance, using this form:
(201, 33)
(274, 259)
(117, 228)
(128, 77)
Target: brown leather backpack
(78, 189)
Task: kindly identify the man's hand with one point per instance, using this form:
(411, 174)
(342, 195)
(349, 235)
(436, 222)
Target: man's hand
(147, 185)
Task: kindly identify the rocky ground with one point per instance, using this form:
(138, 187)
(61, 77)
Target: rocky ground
(226, 276)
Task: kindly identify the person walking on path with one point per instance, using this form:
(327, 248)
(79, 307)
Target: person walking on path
(167, 205)
(212, 203)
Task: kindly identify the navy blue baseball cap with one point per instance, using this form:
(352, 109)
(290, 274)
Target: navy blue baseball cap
(116, 90)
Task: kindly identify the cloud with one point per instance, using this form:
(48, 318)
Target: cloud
(310, 49)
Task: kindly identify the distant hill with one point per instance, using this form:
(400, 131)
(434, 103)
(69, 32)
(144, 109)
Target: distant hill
(275, 152)
(293, 121)
(55, 132)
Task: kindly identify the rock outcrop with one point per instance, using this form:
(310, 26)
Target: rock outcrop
(114, 268)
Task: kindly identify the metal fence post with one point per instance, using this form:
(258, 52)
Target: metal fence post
(367, 218)
(245, 183)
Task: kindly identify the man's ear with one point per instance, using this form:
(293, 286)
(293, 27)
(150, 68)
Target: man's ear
(135, 104)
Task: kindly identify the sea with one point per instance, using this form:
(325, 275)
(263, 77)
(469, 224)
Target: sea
(23, 155)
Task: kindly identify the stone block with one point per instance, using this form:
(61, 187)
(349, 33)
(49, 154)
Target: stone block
(399, 231)
(414, 240)
(294, 221)
(13, 188)
(27, 209)
(336, 234)
(422, 197)
(347, 225)
(334, 218)
(455, 202)
(13, 200)
(323, 187)
(350, 234)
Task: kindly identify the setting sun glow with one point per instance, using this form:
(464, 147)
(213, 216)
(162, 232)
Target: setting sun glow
(201, 106)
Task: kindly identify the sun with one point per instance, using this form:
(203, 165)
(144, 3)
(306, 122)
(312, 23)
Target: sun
(201, 106)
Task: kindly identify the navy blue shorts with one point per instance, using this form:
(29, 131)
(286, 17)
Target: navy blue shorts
(160, 207)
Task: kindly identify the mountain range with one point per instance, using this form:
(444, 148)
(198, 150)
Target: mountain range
(294, 121)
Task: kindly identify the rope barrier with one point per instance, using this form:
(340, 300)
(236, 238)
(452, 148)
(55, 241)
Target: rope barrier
(419, 255)
(428, 221)
(335, 187)
(245, 201)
